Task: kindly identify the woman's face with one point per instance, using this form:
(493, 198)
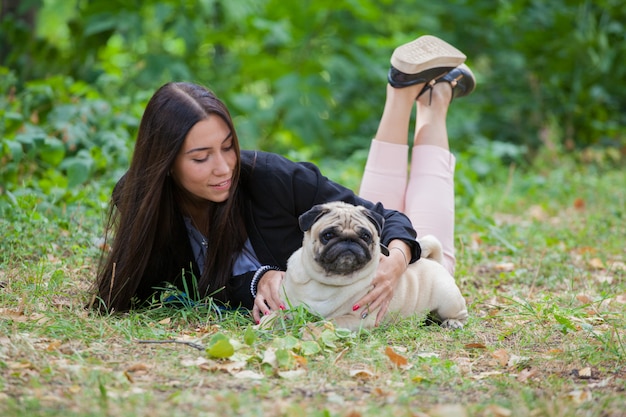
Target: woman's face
(205, 164)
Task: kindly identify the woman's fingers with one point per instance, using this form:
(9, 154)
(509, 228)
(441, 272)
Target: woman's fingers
(379, 296)
(268, 295)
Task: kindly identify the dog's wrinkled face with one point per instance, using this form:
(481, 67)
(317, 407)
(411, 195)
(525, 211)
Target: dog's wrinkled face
(341, 238)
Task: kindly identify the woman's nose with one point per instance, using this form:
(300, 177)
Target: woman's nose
(221, 166)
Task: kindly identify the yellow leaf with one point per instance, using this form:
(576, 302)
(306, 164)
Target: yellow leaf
(166, 320)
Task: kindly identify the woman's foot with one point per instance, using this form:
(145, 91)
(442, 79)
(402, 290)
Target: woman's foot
(422, 60)
(461, 79)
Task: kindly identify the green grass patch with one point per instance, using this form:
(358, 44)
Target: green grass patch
(540, 260)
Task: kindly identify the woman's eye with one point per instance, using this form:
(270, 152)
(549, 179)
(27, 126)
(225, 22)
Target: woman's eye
(198, 161)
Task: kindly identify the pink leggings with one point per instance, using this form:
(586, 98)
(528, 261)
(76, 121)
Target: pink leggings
(426, 197)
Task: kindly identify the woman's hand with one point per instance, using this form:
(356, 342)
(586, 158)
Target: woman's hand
(388, 273)
(268, 295)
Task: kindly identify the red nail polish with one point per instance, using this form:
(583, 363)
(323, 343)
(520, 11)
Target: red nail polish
(258, 322)
(267, 313)
(355, 307)
(282, 307)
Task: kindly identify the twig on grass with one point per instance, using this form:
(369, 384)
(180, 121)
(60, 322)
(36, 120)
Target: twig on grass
(182, 342)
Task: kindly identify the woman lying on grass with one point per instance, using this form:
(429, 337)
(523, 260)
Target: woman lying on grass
(193, 206)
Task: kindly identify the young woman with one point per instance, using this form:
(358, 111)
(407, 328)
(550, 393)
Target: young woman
(194, 211)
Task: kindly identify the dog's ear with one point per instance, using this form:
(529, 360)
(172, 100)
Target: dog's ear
(376, 218)
(307, 219)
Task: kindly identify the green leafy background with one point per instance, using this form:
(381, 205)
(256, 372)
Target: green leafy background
(304, 79)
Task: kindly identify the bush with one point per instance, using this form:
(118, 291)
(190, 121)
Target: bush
(60, 138)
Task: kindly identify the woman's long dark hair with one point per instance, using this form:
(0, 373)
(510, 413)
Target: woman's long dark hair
(145, 218)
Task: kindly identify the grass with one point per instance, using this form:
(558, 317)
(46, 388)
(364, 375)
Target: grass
(540, 261)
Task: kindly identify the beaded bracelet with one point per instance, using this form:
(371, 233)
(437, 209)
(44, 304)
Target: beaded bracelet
(257, 277)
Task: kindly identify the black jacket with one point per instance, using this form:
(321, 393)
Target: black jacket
(276, 191)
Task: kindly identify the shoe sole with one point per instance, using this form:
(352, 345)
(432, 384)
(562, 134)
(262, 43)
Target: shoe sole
(424, 53)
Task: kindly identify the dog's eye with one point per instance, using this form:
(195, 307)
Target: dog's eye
(366, 237)
(327, 236)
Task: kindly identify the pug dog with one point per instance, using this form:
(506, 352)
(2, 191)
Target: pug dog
(337, 262)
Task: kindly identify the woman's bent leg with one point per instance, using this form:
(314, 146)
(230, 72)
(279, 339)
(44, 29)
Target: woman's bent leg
(386, 170)
(430, 192)
(430, 197)
(385, 175)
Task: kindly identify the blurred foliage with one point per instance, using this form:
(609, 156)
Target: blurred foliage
(305, 79)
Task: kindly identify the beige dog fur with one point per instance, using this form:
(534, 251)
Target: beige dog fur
(425, 287)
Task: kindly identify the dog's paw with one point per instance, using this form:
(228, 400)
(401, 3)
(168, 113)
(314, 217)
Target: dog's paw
(452, 324)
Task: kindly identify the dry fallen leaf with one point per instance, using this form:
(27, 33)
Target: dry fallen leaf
(475, 241)
(340, 355)
(54, 345)
(228, 367)
(584, 373)
(498, 411)
(361, 372)
(502, 356)
(15, 315)
(516, 361)
(269, 357)
(448, 410)
(138, 367)
(596, 263)
(504, 267)
(248, 375)
(475, 346)
(579, 396)
(396, 359)
(579, 204)
(584, 298)
(200, 360)
(300, 360)
(464, 365)
(486, 374)
(292, 374)
(603, 278)
(129, 377)
(618, 266)
(526, 374)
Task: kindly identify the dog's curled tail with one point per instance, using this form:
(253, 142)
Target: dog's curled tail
(431, 248)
